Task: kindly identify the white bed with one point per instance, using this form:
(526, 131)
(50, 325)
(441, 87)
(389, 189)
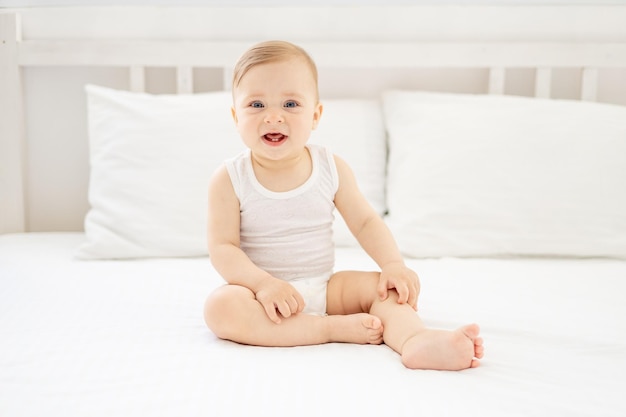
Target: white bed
(107, 320)
(105, 338)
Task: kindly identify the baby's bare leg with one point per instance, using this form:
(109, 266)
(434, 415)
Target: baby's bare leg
(423, 348)
(404, 332)
(233, 313)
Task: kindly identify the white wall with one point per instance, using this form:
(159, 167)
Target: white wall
(57, 170)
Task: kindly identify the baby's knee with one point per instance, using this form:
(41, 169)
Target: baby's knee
(371, 291)
(369, 279)
(352, 291)
(221, 308)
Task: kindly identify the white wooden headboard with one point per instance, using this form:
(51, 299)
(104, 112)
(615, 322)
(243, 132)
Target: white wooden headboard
(360, 51)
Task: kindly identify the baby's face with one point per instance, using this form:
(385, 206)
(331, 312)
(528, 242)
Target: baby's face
(276, 107)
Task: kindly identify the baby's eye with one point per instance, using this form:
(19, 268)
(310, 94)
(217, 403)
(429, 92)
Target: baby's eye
(291, 104)
(257, 105)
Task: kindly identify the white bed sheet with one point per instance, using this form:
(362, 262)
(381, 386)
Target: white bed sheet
(127, 338)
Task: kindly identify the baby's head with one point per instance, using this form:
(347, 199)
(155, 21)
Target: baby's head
(271, 52)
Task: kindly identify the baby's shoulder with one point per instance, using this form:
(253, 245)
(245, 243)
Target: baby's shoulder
(220, 176)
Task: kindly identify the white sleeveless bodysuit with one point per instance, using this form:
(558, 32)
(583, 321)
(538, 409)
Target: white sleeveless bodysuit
(289, 234)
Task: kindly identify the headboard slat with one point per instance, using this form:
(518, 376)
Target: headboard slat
(137, 79)
(418, 54)
(589, 84)
(12, 140)
(543, 82)
(497, 79)
(227, 78)
(184, 79)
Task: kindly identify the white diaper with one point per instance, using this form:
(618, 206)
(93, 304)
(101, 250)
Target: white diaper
(313, 290)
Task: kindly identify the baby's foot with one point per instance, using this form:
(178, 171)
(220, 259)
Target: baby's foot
(361, 328)
(444, 350)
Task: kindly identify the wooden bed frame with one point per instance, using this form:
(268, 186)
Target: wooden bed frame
(374, 38)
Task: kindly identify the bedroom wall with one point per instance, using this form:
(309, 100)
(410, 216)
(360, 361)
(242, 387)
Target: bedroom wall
(57, 170)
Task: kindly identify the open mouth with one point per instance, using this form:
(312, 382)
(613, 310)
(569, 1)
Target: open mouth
(274, 138)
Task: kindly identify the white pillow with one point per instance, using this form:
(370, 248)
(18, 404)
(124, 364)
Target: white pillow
(151, 159)
(353, 129)
(495, 175)
(152, 155)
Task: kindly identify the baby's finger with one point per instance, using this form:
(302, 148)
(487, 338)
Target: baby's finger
(403, 292)
(293, 305)
(418, 289)
(283, 308)
(382, 289)
(300, 300)
(270, 310)
(413, 297)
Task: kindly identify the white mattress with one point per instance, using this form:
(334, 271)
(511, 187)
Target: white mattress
(127, 338)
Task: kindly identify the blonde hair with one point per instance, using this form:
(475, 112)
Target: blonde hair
(269, 52)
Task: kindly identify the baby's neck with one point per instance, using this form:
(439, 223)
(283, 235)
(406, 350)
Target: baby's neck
(283, 175)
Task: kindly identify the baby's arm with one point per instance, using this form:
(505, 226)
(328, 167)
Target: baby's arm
(276, 295)
(375, 238)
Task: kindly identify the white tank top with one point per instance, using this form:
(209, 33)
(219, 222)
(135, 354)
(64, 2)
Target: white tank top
(288, 234)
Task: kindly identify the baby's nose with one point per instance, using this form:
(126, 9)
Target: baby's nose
(273, 117)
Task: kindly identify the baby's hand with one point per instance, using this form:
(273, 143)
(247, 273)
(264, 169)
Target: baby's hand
(277, 296)
(404, 280)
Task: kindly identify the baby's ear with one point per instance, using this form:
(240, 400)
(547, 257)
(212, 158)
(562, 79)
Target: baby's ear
(318, 114)
(234, 114)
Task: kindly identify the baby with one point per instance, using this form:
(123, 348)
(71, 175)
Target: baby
(270, 233)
